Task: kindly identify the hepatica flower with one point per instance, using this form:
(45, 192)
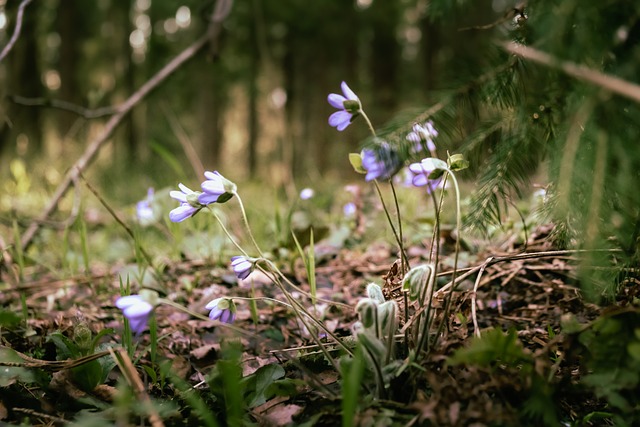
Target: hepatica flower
(242, 266)
(307, 193)
(137, 311)
(349, 209)
(144, 209)
(380, 163)
(348, 105)
(222, 309)
(423, 134)
(216, 189)
(428, 172)
(189, 204)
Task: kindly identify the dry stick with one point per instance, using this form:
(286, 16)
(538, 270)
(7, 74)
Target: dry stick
(474, 317)
(59, 104)
(183, 138)
(115, 216)
(16, 30)
(580, 72)
(87, 157)
(129, 371)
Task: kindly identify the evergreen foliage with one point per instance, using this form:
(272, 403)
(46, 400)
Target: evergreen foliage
(511, 114)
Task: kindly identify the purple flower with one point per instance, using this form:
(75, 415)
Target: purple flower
(189, 205)
(136, 310)
(349, 106)
(216, 189)
(349, 209)
(222, 309)
(423, 133)
(242, 266)
(380, 163)
(307, 193)
(428, 172)
(144, 210)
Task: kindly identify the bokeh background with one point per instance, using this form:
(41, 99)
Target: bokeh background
(256, 109)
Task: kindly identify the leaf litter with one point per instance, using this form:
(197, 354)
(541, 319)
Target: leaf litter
(535, 297)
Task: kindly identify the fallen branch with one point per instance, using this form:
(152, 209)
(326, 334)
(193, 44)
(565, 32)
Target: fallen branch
(59, 104)
(580, 72)
(221, 11)
(16, 30)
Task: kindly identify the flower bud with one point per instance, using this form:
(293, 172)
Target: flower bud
(387, 314)
(416, 280)
(457, 162)
(375, 293)
(82, 336)
(367, 310)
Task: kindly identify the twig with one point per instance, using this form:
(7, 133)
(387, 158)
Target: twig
(59, 104)
(87, 157)
(183, 138)
(131, 375)
(16, 30)
(580, 72)
(115, 216)
(44, 416)
(474, 316)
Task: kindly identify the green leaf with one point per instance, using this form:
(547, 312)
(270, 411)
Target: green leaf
(261, 381)
(67, 349)
(457, 162)
(9, 319)
(88, 375)
(11, 374)
(352, 373)
(493, 347)
(356, 161)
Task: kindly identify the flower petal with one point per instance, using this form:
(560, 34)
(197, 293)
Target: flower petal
(215, 175)
(206, 198)
(340, 119)
(336, 101)
(127, 301)
(185, 189)
(179, 196)
(420, 180)
(212, 304)
(139, 309)
(182, 212)
(213, 187)
(348, 92)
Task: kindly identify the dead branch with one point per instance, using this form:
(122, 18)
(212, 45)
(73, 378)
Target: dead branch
(59, 104)
(16, 30)
(580, 72)
(220, 13)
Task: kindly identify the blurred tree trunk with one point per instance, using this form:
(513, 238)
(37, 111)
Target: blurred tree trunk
(384, 17)
(69, 27)
(428, 52)
(125, 82)
(253, 117)
(212, 107)
(22, 128)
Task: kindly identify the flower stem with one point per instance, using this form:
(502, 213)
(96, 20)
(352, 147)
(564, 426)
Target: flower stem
(456, 254)
(366, 119)
(403, 255)
(226, 231)
(246, 223)
(202, 317)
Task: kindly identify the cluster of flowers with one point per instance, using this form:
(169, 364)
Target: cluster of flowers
(215, 189)
(383, 161)
(137, 309)
(379, 162)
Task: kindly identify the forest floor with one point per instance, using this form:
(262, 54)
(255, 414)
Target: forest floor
(534, 296)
